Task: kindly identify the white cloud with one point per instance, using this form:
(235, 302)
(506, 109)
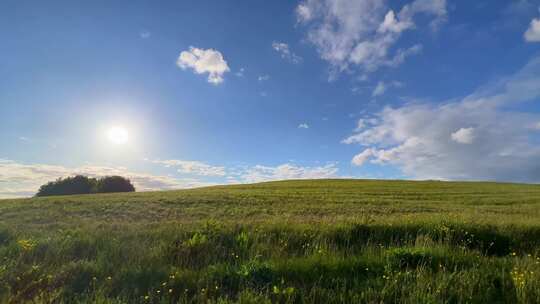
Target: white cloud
(379, 90)
(263, 77)
(463, 136)
(23, 180)
(363, 32)
(382, 87)
(303, 12)
(391, 24)
(193, 167)
(303, 126)
(286, 171)
(204, 61)
(360, 158)
(420, 138)
(533, 32)
(285, 52)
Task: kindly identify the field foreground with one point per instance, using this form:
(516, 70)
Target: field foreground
(312, 241)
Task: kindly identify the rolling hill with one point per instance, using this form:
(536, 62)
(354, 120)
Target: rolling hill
(304, 241)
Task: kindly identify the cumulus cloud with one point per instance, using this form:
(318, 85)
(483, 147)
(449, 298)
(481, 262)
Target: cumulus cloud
(463, 136)
(363, 32)
(193, 167)
(303, 126)
(285, 52)
(533, 32)
(203, 61)
(23, 180)
(479, 137)
(260, 173)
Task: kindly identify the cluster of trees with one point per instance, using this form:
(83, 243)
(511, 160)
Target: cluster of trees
(81, 184)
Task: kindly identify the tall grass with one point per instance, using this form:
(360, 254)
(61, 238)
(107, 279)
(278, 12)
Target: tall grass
(287, 242)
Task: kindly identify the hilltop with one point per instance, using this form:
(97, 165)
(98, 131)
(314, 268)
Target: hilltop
(299, 241)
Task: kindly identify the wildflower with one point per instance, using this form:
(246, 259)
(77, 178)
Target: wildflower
(170, 290)
(26, 245)
(109, 278)
(164, 283)
(146, 297)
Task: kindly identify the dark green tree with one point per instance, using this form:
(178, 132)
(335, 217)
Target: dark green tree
(111, 184)
(78, 184)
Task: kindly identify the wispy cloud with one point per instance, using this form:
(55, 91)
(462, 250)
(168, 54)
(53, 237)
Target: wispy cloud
(261, 173)
(203, 61)
(303, 126)
(255, 173)
(263, 78)
(193, 167)
(240, 72)
(23, 180)
(285, 52)
(382, 87)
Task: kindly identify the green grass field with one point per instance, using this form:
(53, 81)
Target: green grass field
(323, 241)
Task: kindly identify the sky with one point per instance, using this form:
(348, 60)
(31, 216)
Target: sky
(181, 94)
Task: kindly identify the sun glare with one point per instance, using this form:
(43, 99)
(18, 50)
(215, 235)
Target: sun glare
(118, 135)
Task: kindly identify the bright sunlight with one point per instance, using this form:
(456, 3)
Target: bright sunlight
(118, 135)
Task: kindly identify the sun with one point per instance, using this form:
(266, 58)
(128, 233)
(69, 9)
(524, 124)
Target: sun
(118, 135)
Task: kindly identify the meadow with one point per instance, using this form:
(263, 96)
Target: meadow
(309, 241)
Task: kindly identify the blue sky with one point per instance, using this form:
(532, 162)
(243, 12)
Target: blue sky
(244, 91)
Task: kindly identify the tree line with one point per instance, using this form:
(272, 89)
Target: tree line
(81, 184)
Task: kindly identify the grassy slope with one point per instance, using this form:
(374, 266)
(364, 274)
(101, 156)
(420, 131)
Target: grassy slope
(292, 241)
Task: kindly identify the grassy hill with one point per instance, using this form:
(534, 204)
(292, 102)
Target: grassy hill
(311, 241)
